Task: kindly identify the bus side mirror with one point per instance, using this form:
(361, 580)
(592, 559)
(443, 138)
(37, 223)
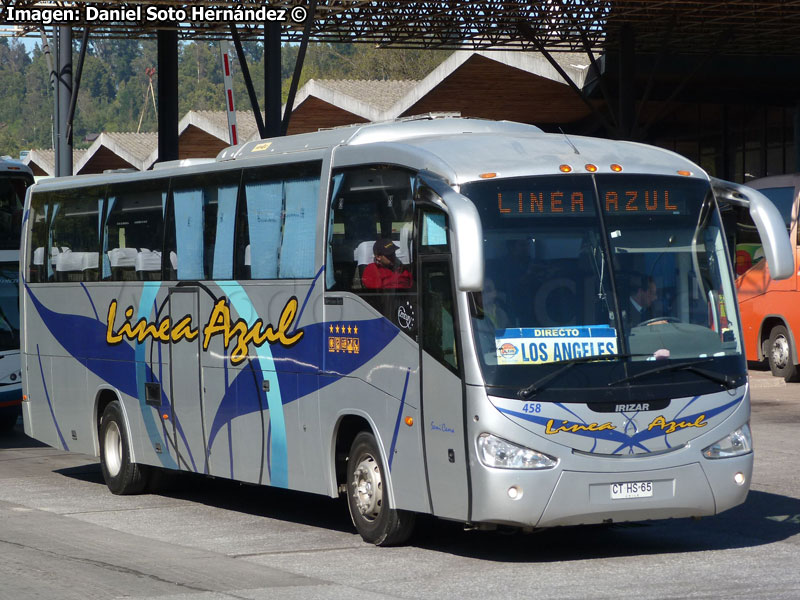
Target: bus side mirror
(775, 241)
(465, 223)
(466, 233)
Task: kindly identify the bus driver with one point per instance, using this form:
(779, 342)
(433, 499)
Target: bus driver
(386, 272)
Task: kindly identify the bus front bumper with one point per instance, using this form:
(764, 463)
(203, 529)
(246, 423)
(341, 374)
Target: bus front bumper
(570, 497)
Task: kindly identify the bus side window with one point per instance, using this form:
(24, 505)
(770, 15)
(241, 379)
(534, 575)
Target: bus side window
(133, 232)
(438, 309)
(40, 216)
(276, 224)
(201, 226)
(370, 203)
(371, 207)
(74, 235)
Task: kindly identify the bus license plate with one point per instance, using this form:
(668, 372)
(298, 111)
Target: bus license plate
(631, 489)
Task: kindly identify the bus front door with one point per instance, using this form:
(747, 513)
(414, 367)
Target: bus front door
(186, 389)
(442, 391)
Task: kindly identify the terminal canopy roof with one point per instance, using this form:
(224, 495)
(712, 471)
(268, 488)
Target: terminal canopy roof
(740, 27)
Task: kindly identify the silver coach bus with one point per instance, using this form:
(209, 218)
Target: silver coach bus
(14, 179)
(553, 339)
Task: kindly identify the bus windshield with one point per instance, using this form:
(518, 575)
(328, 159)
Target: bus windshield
(631, 267)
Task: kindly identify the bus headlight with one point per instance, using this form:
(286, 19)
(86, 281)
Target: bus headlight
(735, 444)
(502, 454)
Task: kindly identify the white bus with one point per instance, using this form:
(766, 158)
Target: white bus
(223, 318)
(14, 179)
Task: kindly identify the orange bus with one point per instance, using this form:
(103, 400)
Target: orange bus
(770, 309)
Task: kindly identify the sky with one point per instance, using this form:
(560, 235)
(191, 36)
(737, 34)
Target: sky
(29, 42)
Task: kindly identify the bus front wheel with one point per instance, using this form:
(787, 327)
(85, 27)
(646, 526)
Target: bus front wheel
(780, 356)
(120, 474)
(367, 499)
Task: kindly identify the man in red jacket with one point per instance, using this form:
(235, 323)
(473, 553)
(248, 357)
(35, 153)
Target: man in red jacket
(386, 272)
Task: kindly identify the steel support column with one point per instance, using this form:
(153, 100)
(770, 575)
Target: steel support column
(64, 84)
(167, 95)
(248, 81)
(272, 78)
(298, 67)
(77, 83)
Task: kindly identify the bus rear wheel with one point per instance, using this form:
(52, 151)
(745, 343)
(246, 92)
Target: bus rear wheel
(780, 356)
(367, 499)
(120, 474)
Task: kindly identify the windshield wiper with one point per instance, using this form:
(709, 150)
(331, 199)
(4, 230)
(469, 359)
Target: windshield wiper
(724, 380)
(539, 384)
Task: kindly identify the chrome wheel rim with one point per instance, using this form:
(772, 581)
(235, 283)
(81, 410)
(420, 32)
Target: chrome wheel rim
(780, 352)
(112, 446)
(367, 488)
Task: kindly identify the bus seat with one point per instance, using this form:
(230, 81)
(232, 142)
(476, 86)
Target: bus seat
(148, 264)
(122, 257)
(89, 264)
(89, 260)
(38, 256)
(363, 253)
(404, 253)
(70, 265)
(363, 256)
(66, 262)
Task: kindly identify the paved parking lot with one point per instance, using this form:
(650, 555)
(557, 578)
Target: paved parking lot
(62, 534)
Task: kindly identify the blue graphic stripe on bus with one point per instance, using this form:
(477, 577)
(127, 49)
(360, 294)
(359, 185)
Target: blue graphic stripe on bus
(147, 303)
(279, 461)
(626, 441)
(602, 434)
(49, 403)
(399, 416)
(90, 301)
(564, 407)
(269, 445)
(116, 368)
(244, 394)
(305, 301)
(688, 404)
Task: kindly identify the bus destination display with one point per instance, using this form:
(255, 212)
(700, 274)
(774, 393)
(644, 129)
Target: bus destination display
(626, 200)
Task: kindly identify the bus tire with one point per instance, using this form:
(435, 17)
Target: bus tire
(367, 500)
(122, 476)
(780, 355)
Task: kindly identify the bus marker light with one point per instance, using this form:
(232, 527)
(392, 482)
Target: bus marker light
(591, 168)
(565, 169)
(487, 175)
(409, 421)
(616, 168)
(165, 416)
(515, 492)
(685, 173)
(739, 478)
